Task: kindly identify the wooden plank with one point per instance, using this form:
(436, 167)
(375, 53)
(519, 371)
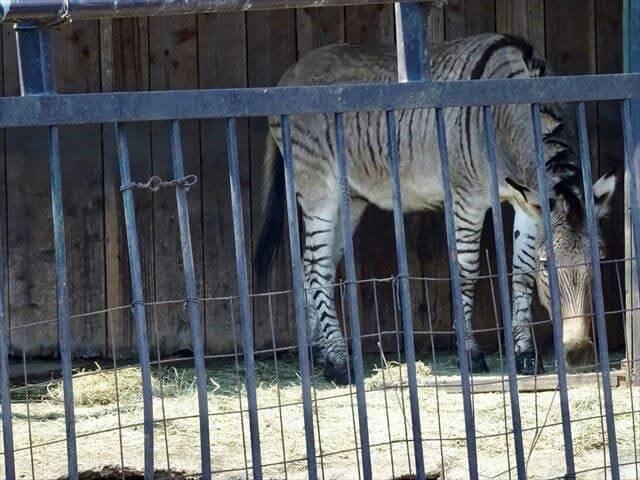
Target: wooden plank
(222, 63)
(609, 128)
(526, 384)
(31, 287)
(271, 49)
(125, 67)
(174, 65)
(76, 50)
(469, 17)
(317, 27)
(370, 24)
(524, 18)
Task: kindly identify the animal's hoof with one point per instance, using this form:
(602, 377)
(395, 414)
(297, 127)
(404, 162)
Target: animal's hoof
(528, 364)
(478, 363)
(338, 373)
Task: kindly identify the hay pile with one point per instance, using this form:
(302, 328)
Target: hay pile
(282, 426)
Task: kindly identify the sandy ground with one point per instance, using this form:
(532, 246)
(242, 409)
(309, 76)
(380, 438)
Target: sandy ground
(110, 433)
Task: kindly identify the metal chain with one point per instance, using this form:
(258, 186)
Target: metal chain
(155, 183)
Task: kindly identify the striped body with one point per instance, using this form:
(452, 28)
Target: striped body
(368, 171)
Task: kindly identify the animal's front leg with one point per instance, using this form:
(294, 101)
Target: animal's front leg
(524, 265)
(469, 220)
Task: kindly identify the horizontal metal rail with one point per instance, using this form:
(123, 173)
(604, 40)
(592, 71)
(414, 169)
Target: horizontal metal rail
(64, 10)
(75, 109)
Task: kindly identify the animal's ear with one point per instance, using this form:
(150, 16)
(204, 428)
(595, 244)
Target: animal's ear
(603, 191)
(526, 197)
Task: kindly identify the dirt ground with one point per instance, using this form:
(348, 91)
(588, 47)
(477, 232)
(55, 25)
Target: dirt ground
(109, 430)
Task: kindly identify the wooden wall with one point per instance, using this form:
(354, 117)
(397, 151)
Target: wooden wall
(237, 50)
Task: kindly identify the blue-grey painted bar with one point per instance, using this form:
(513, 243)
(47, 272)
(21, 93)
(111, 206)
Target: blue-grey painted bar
(5, 391)
(64, 10)
(193, 308)
(503, 286)
(405, 295)
(62, 295)
(37, 78)
(556, 313)
(352, 297)
(630, 159)
(243, 295)
(299, 297)
(456, 294)
(412, 42)
(598, 298)
(137, 296)
(197, 104)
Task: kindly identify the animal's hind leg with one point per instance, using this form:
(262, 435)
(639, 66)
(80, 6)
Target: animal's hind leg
(322, 252)
(469, 219)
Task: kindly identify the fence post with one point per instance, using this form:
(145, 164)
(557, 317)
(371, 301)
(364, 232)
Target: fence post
(413, 65)
(631, 30)
(37, 78)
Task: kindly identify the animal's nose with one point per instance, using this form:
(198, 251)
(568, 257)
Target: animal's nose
(578, 353)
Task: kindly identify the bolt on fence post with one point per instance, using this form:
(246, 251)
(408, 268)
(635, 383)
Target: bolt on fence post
(192, 306)
(137, 297)
(37, 78)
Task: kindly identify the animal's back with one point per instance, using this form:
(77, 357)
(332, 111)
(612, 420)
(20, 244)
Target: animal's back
(480, 56)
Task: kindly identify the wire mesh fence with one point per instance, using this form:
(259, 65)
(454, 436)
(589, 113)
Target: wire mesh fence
(109, 410)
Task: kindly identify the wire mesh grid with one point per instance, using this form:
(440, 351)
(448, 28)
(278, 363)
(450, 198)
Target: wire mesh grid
(109, 409)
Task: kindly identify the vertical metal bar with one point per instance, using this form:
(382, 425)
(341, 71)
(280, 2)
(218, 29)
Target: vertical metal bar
(193, 308)
(137, 297)
(456, 293)
(412, 42)
(243, 295)
(556, 314)
(64, 327)
(503, 286)
(630, 159)
(299, 296)
(37, 77)
(601, 327)
(5, 392)
(352, 297)
(405, 295)
(631, 33)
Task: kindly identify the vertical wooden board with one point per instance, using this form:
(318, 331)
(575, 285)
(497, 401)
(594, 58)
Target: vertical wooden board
(571, 49)
(125, 66)
(29, 229)
(370, 24)
(317, 27)
(173, 64)
(609, 60)
(76, 50)
(524, 18)
(271, 49)
(222, 64)
(469, 17)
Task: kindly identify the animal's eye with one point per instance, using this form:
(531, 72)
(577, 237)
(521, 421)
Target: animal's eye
(545, 264)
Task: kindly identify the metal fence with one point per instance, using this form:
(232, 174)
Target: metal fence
(41, 106)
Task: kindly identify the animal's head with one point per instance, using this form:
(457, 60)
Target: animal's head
(572, 252)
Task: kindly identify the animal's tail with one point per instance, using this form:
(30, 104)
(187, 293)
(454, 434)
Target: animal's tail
(274, 205)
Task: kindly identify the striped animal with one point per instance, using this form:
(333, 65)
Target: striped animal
(318, 189)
